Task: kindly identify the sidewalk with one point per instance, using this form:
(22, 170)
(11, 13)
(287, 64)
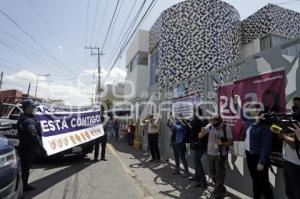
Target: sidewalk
(156, 180)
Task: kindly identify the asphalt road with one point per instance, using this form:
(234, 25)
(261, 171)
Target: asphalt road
(78, 178)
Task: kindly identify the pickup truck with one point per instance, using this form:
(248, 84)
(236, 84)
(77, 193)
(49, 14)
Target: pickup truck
(9, 115)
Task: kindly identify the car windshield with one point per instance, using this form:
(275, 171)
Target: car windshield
(5, 110)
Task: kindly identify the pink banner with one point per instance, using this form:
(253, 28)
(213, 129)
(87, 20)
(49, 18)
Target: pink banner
(268, 88)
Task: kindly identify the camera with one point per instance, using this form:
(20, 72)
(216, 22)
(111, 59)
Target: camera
(280, 123)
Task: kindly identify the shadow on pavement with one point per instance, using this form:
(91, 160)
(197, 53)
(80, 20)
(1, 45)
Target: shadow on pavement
(181, 187)
(73, 165)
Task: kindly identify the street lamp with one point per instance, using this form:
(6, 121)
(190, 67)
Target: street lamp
(37, 82)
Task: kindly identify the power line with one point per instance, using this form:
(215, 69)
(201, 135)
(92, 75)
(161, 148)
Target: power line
(29, 48)
(94, 22)
(109, 28)
(124, 46)
(19, 52)
(30, 54)
(32, 38)
(117, 16)
(124, 25)
(87, 21)
(102, 18)
(53, 32)
(131, 25)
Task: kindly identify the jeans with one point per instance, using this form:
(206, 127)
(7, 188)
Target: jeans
(153, 146)
(217, 170)
(199, 171)
(260, 179)
(179, 154)
(291, 177)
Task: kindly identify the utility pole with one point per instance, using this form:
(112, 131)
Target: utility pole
(28, 91)
(37, 82)
(98, 54)
(1, 79)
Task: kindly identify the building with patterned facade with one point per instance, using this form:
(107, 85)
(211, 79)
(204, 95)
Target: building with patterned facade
(197, 36)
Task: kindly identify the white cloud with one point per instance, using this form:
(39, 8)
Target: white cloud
(60, 47)
(76, 92)
(116, 75)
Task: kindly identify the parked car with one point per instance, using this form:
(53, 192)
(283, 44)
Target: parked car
(11, 186)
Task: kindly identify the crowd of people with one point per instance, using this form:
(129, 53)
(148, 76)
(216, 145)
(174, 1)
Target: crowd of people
(213, 138)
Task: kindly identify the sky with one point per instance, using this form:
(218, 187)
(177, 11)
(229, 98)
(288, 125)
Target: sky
(49, 38)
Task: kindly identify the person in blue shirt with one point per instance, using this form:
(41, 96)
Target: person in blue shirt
(258, 145)
(178, 143)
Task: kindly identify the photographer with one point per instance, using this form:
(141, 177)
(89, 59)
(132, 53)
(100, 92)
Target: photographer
(178, 143)
(258, 146)
(291, 159)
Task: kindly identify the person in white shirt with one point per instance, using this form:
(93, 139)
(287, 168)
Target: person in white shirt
(219, 140)
(153, 131)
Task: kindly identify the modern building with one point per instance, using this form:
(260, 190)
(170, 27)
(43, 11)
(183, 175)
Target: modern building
(191, 38)
(137, 78)
(195, 37)
(270, 26)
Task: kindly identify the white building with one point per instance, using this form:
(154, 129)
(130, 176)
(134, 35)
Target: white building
(137, 79)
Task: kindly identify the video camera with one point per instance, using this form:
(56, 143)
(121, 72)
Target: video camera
(280, 123)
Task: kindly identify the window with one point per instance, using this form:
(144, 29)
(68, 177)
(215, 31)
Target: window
(272, 40)
(154, 67)
(143, 58)
(265, 42)
(140, 58)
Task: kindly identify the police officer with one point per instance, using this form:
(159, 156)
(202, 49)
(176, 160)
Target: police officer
(29, 131)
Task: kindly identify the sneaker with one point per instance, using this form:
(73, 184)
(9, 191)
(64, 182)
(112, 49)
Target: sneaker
(103, 159)
(29, 188)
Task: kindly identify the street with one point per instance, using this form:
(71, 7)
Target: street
(126, 174)
(82, 178)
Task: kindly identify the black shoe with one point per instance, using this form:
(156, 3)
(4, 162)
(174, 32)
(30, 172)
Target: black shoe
(152, 160)
(96, 160)
(176, 173)
(103, 159)
(202, 185)
(29, 188)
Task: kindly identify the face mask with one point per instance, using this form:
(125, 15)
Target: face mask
(295, 108)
